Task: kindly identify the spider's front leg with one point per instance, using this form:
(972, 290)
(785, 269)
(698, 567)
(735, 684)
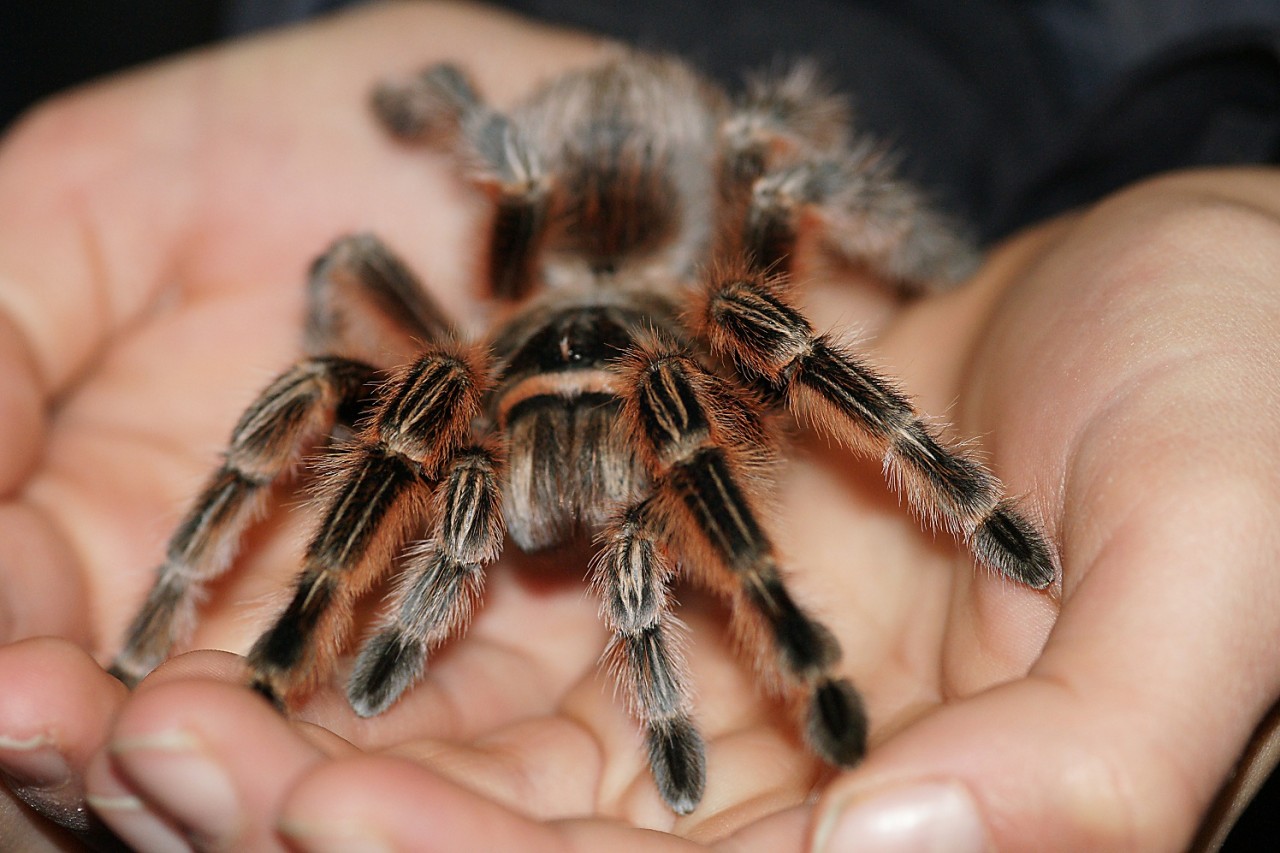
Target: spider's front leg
(441, 581)
(632, 575)
(746, 320)
(700, 445)
(288, 415)
(378, 490)
(363, 306)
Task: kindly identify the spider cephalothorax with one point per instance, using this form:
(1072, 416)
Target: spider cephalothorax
(643, 227)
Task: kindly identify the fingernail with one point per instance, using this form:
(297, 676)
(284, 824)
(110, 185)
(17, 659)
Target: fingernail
(38, 774)
(128, 816)
(935, 816)
(171, 769)
(33, 762)
(332, 838)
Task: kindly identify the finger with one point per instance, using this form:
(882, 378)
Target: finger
(42, 591)
(783, 830)
(1147, 689)
(546, 768)
(200, 763)
(590, 759)
(384, 803)
(22, 412)
(55, 712)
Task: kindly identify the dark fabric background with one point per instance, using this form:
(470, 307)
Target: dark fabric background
(1005, 111)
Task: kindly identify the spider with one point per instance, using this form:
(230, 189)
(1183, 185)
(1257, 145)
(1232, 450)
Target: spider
(633, 389)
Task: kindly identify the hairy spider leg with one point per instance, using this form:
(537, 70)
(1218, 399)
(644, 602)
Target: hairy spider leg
(428, 107)
(700, 449)
(287, 416)
(355, 281)
(566, 469)
(861, 213)
(377, 491)
(632, 575)
(439, 107)
(442, 579)
(364, 303)
(793, 166)
(747, 320)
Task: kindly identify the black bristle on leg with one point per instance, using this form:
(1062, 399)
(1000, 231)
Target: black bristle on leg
(1012, 546)
(677, 757)
(837, 723)
(266, 691)
(121, 676)
(388, 663)
(808, 647)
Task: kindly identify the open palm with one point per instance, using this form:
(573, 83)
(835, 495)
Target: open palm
(153, 238)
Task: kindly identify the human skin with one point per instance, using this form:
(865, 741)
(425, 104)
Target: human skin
(1119, 367)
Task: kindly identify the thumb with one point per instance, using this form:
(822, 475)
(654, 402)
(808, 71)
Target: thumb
(1121, 734)
(1028, 766)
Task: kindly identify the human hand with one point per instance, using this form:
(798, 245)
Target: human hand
(155, 235)
(1124, 378)
(513, 736)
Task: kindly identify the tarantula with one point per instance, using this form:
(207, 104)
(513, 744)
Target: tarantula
(643, 228)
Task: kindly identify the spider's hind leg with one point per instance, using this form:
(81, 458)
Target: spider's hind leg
(428, 107)
(364, 303)
(862, 214)
(440, 107)
(793, 166)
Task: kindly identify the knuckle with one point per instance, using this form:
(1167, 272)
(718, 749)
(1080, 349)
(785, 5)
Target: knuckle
(1181, 228)
(1123, 780)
